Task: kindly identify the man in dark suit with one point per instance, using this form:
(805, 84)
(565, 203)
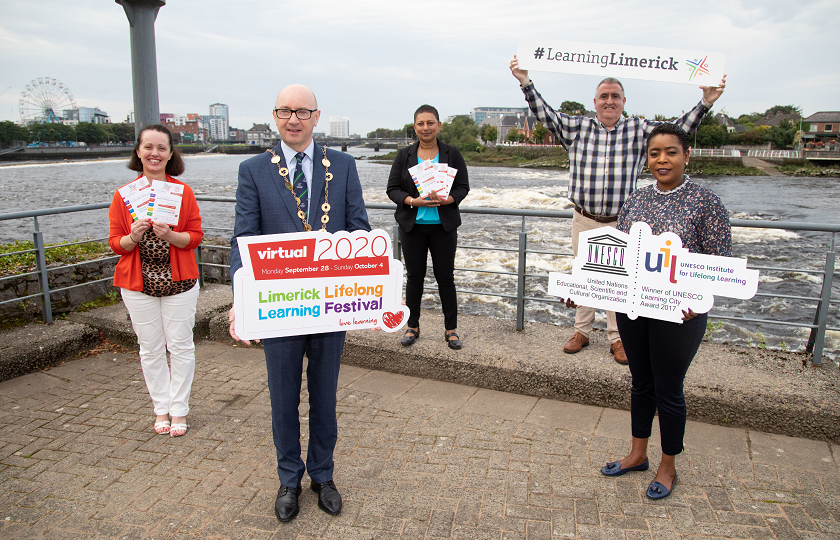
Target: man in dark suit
(265, 205)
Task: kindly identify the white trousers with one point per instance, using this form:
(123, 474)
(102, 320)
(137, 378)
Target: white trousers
(585, 316)
(160, 324)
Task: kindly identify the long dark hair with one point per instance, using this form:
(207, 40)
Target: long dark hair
(175, 165)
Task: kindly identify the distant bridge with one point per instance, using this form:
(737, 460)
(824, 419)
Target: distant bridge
(374, 143)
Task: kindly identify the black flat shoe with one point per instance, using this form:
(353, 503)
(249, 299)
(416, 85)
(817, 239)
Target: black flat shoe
(286, 505)
(329, 499)
(453, 343)
(410, 337)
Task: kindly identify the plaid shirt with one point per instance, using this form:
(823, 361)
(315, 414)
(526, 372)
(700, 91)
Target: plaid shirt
(604, 164)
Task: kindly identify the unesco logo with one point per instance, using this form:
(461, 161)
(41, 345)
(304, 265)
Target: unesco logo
(606, 255)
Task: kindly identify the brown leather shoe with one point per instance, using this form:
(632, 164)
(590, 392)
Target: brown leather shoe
(617, 350)
(575, 344)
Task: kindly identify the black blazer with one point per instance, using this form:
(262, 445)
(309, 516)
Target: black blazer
(400, 186)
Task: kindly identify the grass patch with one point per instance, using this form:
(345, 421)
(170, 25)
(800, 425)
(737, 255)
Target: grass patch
(109, 299)
(809, 170)
(25, 262)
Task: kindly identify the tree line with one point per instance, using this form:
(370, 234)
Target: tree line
(86, 132)
(462, 131)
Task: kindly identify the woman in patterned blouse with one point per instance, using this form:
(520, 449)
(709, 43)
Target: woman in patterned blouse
(660, 352)
(157, 275)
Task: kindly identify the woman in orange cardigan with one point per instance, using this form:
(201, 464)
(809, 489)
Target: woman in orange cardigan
(157, 274)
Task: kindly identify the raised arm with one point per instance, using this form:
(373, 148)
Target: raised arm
(566, 128)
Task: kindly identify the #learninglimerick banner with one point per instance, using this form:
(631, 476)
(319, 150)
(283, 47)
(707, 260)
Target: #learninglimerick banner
(699, 68)
(315, 282)
(641, 274)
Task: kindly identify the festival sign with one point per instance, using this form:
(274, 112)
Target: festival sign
(315, 282)
(699, 68)
(642, 274)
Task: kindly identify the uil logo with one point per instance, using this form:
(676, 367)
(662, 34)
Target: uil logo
(663, 259)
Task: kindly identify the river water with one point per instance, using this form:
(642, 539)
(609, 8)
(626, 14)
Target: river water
(32, 186)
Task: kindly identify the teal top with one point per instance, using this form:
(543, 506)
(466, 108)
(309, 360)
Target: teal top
(428, 215)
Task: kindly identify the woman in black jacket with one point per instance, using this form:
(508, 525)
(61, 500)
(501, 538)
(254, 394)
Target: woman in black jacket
(428, 224)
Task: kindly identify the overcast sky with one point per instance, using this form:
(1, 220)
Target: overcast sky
(376, 61)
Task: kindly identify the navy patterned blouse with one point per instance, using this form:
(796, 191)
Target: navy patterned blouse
(692, 212)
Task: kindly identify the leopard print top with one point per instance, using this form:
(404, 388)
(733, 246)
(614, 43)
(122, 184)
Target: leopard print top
(157, 268)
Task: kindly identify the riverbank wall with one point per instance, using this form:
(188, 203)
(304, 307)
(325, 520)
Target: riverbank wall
(772, 391)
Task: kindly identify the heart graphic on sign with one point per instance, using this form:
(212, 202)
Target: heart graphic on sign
(393, 318)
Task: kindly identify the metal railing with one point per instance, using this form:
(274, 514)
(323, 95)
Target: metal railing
(715, 152)
(818, 328)
(785, 154)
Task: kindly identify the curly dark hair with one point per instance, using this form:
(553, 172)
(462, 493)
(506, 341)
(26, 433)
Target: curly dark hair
(426, 109)
(667, 128)
(175, 165)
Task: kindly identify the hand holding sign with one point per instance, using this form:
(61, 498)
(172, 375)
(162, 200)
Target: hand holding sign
(651, 276)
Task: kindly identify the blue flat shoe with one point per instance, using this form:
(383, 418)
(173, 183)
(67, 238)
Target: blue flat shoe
(657, 491)
(614, 468)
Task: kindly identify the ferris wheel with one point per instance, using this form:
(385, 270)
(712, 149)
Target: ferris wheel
(44, 100)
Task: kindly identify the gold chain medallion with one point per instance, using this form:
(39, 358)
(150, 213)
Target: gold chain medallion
(284, 172)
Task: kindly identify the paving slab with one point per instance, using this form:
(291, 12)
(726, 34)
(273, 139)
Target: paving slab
(438, 393)
(415, 458)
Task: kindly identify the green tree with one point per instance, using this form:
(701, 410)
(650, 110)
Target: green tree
(784, 109)
(123, 132)
(512, 135)
(9, 131)
(783, 135)
(91, 133)
(462, 133)
(540, 133)
(572, 107)
(490, 134)
(408, 131)
(711, 136)
(53, 132)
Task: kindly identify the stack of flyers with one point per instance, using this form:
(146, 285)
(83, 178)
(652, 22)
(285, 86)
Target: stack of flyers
(430, 177)
(165, 202)
(136, 195)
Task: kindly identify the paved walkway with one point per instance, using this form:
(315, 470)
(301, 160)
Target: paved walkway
(415, 459)
(770, 169)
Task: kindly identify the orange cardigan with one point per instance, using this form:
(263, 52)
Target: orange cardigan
(128, 273)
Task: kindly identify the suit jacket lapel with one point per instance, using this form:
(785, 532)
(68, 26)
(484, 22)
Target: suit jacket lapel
(317, 183)
(285, 194)
(443, 154)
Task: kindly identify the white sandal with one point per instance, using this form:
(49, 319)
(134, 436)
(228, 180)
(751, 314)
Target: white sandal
(178, 427)
(162, 427)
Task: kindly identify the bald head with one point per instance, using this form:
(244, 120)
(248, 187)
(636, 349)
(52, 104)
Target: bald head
(297, 93)
(295, 131)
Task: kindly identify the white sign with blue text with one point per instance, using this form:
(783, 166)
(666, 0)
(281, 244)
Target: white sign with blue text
(699, 68)
(646, 275)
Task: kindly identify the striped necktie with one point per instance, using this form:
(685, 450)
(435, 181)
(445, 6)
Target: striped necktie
(300, 185)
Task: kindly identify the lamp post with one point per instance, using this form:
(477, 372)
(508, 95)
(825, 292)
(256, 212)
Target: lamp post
(141, 16)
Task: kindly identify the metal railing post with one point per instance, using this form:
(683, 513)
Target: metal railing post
(818, 334)
(520, 285)
(200, 268)
(43, 277)
(395, 242)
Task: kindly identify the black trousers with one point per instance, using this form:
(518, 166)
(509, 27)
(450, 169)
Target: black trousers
(659, 353)
(415, 245)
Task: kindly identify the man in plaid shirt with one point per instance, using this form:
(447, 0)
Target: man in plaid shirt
(606, 155)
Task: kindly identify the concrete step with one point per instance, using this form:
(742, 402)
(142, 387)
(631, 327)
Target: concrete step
(115, 325)
(32, 347)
